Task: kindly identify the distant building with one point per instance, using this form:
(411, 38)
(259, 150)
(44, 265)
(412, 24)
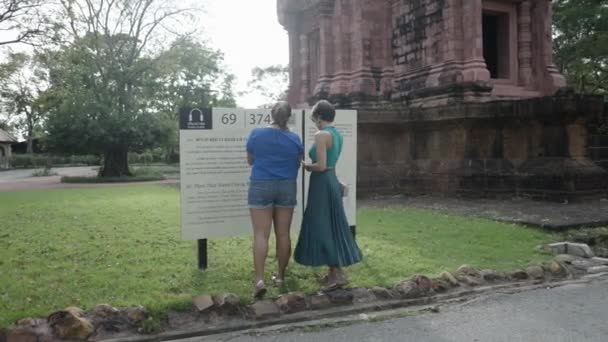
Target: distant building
(5, 148)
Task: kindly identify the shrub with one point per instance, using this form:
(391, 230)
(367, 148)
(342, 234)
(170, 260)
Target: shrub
(33, 161)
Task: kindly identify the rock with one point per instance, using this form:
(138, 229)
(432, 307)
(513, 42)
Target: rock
(579, 249)
(441, 285)
(583, 264)
(535, 272)
(566, 258)
(136, 314)
(600, 261)
(597, 269)
(467, 270)
(340, 297)
(227, 303)
(557, 248)
(557, 268)
(203, 303)
(601, 251)
(27, 323)
(423, 283)
(382, 293)
(408, 289)
(70, 324)
(105, 311)
(362, 295)
(447, 276)
(29, 335)
(518, 275)
(470, 280)
(291, 302)
(364, 317)
(320, 301)
(491, 275)
(265, 309)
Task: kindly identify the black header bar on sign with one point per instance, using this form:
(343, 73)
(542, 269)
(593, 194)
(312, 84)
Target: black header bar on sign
(195, 118)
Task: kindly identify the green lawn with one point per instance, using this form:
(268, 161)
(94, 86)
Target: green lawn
(121, 245)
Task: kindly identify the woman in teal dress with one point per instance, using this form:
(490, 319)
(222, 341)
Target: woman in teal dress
(325, 236)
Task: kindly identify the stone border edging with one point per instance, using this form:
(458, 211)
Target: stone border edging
(353, 310)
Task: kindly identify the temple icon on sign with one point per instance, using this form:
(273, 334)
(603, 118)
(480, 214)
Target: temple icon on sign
(195, 111)
(195, 118)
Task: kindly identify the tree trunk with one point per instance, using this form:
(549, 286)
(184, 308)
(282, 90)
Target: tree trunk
(115, 163)
(30, 144)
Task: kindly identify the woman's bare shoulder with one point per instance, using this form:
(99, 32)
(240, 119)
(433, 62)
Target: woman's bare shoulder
(323, 134)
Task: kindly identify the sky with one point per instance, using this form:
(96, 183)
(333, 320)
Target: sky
(249, 34)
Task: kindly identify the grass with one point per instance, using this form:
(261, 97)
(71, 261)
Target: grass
(122, 245)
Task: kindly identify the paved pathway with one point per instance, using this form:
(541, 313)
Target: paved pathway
(16, 180)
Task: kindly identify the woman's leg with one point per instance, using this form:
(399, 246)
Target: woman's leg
(282, 229)
(262, 222)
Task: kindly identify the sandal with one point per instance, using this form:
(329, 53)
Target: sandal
(338, 284)
(324, 279)
(277, 281)
(260, 290)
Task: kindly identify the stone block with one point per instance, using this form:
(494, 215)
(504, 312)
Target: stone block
(597, 269)
(447, 276)
(557, 248)
(265, 309)
(491, 275)
(203, 303)
(320, 301)
(579, 249)
(291, 302)
(70, 324)
(340, 297)
(382, 293)
(601, 261)
(518, 275)
(363, 295)
(535, 272)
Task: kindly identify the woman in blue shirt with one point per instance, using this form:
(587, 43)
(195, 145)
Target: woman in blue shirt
(274, 153)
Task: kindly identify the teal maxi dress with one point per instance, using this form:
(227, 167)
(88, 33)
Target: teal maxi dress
(325, 236)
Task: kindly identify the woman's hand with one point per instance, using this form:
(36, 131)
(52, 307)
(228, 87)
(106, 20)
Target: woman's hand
(307, 167)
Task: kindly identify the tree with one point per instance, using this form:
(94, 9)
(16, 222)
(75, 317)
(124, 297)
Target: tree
(99, 77)
(22, 20)
(23, 84)
(191, 74)
(581, 43)
(270, 83)
(188, 74)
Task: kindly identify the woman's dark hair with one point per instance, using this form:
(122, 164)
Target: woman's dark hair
(324, 111)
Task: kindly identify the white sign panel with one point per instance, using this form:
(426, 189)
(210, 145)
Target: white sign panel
(215, 174)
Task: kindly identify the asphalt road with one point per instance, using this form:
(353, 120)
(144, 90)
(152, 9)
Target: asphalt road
(569, 313)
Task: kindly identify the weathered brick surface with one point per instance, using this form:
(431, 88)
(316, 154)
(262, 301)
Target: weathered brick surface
(431, 119)
(421, 51)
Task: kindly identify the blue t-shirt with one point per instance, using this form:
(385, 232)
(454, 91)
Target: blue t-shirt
(276, 154)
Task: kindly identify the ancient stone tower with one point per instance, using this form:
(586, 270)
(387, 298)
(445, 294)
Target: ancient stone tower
(453, 95)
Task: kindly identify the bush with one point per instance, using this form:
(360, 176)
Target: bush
(44, 173)
(33, 161)
(143, 175)
(148, 157)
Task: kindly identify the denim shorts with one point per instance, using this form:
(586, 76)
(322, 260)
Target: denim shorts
(272, 194)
